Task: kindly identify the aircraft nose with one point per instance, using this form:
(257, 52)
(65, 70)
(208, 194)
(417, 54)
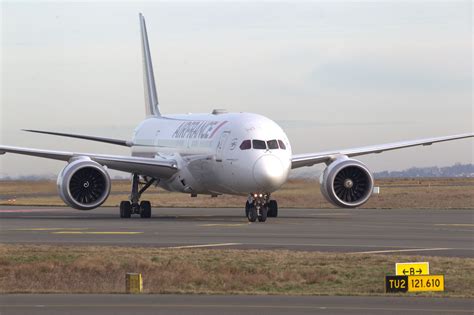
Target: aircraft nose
(269, 172)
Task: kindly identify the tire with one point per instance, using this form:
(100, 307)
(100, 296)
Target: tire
(125, 209)
(247, 208)
(272, 209)
(252, 214)
(263, 214)
(145, 209)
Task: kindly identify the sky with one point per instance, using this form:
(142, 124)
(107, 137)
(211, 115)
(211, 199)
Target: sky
(335, 74)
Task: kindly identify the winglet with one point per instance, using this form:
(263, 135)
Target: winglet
(151, 97)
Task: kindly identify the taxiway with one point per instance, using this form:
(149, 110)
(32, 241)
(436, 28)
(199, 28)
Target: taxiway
(411, 232)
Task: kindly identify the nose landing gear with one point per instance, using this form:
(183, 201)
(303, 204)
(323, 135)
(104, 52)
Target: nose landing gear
(260, 207)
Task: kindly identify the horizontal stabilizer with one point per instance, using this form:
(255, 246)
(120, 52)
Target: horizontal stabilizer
(124, 143)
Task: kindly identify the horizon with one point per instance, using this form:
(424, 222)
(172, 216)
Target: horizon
(308, 173)
(353, 74)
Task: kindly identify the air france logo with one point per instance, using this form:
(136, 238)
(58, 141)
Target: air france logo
(197, 129)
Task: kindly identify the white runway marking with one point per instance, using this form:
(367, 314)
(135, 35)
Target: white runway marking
(401, 250)
(204, 245)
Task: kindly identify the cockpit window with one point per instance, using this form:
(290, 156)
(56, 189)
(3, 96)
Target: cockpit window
(272, 144)
(259, 144)
(246, 144)
(282, 145)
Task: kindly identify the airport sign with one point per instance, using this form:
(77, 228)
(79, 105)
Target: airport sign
(412, 269)
(396, 284)
(426, 283)
(402, 284)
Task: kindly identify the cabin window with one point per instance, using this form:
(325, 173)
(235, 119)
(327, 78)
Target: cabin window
(246, 144)
(272, 144)
(259, 145)
(282, 145)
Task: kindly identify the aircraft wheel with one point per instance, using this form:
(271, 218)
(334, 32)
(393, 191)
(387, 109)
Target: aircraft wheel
(145, 209)
(263, 214)
(252, 214)
(125, 209)
(247, 208)
(273, 209)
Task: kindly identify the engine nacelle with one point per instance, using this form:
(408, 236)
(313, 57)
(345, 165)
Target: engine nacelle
(84, 184)
(347, 183)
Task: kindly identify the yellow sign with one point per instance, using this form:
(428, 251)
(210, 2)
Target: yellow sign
(426, 283)
(133, 283)
(412, 269)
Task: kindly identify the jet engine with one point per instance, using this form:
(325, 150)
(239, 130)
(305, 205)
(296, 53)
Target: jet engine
(84, 184)
(347, 183)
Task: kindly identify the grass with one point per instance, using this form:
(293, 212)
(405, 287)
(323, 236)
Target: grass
(444, 193)
(93, 269)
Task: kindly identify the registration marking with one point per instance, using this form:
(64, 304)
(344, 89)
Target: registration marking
(204, 245)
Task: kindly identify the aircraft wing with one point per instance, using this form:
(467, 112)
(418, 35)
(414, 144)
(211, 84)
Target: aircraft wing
(157, 168)
(124, 143)
(300, 160)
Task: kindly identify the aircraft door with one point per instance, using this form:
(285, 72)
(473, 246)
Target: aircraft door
(221, 145)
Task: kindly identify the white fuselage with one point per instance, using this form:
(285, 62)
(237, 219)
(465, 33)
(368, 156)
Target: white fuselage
(226, 153)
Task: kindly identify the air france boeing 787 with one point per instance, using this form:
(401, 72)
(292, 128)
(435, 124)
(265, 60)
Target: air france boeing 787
(217, 153)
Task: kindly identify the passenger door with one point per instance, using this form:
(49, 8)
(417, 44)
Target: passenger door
(221, 145)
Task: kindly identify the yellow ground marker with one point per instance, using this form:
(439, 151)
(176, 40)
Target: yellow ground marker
(97, 233)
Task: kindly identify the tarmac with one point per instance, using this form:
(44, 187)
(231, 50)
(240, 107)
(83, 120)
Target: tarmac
(52, 304)
(411, 232)
(356, 231)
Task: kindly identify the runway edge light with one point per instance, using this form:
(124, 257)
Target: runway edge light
(133, 283)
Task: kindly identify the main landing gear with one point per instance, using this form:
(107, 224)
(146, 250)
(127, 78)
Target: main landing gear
(134, 206)
(260, 207)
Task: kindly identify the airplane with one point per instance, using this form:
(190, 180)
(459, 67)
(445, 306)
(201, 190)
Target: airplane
(216, 153)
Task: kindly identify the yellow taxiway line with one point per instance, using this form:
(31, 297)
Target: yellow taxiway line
(97, 233)
(50, 229)
(204, 245)
(225, 224)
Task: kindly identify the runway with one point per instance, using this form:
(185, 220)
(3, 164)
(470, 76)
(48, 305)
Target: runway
(410, 232)
(52, 304)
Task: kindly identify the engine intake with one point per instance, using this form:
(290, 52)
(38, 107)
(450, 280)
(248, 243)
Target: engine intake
(347, 183)
(84, 184)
